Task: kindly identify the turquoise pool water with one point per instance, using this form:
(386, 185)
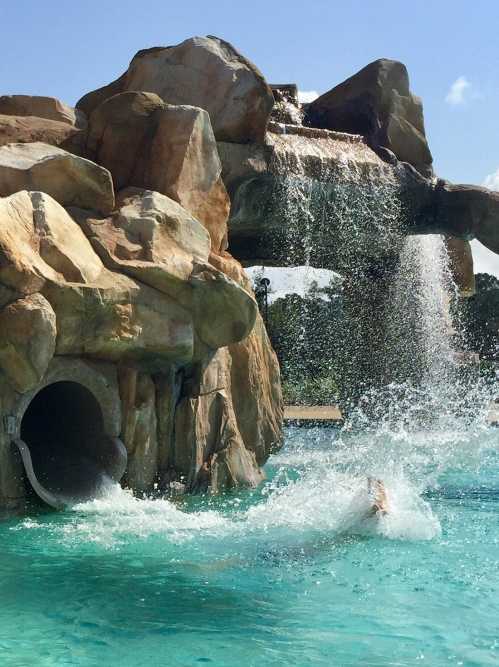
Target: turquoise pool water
(291, 574)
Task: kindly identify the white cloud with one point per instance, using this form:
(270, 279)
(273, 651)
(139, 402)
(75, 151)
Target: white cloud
(306, 96)
(492, 181)
(458, 91)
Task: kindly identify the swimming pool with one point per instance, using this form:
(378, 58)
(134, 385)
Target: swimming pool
(290, 574)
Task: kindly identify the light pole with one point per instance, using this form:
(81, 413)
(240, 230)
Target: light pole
(265, 282)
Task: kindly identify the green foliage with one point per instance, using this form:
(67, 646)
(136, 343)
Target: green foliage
(311, 391)
(481, 318)
(304, 333)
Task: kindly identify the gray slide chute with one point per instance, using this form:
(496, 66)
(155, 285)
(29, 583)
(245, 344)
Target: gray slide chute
(75, 479)
(67, 456)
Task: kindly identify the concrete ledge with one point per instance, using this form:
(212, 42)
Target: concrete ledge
(314, 132)
(310, 415)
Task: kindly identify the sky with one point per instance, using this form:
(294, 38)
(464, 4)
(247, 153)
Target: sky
(450, 47)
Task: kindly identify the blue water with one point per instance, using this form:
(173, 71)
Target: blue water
(290, 574)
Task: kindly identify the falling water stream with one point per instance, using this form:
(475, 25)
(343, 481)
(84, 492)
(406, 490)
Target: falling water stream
(295, 572)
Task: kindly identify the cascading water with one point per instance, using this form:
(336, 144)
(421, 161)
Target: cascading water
(329, 209)
(420, 328)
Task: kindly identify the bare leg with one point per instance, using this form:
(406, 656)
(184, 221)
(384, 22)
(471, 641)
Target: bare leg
(377, 493)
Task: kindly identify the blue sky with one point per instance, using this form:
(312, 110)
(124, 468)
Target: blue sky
(451, 50)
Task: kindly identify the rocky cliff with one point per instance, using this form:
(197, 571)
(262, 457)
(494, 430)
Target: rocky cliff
(115, 276)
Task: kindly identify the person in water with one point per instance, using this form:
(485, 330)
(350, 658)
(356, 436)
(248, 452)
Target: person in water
(377, 495)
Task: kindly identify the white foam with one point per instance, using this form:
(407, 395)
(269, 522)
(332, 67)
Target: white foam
(335, 502)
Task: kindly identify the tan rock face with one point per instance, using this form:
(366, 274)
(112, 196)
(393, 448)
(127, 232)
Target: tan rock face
(154, 240)
(205, 72)
(150, 237)
(120, 320)
(139, 428)
(28, 129)
(170, 149)
(117, 135)
(232, 417)
(71, 180)
(256, 392)
(27, 340)
(255, 378)
(43, 107)
(39, 242)
(99, 313)
(209, 450)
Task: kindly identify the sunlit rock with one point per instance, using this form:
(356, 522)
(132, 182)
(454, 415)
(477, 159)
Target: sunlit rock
(30, 129)
(42, 107)
(27, 340)
(69, 179)
(146, 143)
(205, 72)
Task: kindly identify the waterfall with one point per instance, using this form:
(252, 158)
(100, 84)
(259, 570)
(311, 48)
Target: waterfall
(420, 331)
(325, 203)
(328, 209)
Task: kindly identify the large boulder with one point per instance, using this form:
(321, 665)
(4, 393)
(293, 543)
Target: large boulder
(39, 242)
(150, 237)
(120, 320)
(43, 107)
(170, 149)
(153, 239)
(69, 179)
(205, 72)
(27, 340)
(29, 129)
(377, 103)
(99, 313)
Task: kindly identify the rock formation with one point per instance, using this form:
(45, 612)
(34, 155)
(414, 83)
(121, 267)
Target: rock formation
(49, 108)
(377, 103)
(205, 72)
(114, 277)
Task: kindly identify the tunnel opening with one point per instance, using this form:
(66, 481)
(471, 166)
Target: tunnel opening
(72, 457)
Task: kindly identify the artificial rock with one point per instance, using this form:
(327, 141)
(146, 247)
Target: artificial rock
(146, 143)
(27, 340)
(49, 108)
(30, 129)
(205, 72)
(69, 179)
(377, 103)
(155, 240)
